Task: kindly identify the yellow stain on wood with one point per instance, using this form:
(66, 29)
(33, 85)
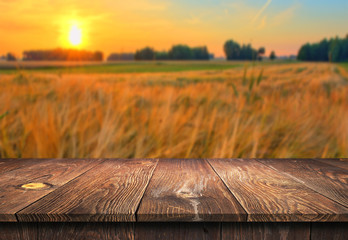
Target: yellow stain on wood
(35, 185)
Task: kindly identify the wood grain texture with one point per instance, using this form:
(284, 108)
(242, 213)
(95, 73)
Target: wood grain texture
(188, 190)
(66, 231)
(329, 231)
(267, 195)
(183, 230)
(337, 162)
(10, 164)
(175, 231)
(53, 172)
(110, 192)
(18, 231)
(326, 179)
(85, 231)
(265, 231)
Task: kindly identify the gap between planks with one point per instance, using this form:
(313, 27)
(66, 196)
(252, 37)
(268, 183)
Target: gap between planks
(228, 189)
(147, 185)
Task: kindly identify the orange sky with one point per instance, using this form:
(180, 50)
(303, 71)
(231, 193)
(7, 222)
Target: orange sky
(115, 26)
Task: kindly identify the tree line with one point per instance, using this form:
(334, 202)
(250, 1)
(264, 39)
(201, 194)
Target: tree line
(234, 51)
(121, 57)
(333, 50)
(62, 55)
(9, 57)
(177, 52)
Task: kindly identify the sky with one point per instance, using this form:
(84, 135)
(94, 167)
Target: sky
(124, 26)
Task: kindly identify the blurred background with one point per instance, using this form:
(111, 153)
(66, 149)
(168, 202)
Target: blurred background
(173, 79)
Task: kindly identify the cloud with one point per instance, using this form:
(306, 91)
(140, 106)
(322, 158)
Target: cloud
(240, 11)
(261, 10)
(285, 15)
(262, 23)
(275, 19)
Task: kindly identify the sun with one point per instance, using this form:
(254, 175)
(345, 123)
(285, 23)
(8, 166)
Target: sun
(75, 35)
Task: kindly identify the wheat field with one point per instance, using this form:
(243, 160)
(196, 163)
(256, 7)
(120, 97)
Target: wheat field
(286, 110)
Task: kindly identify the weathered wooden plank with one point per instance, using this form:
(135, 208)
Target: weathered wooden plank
(188, 190)
(110, 192)
(85, 231)
(174, 231)
(265, 231)
(338, 162)
(52, 173)
(329, 231)
(18, 231)
(7, 165)
(191, 231)
(267, 195)
(66, 231)
(326, 179)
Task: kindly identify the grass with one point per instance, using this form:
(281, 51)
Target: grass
(345, 65)
(267, 110)
(127, 67)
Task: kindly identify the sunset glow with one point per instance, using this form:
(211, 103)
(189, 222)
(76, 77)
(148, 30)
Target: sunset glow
(109, 26)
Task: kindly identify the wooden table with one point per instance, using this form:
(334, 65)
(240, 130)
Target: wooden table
(173, 199)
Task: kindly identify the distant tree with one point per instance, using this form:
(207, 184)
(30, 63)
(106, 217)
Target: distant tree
(98, 56)
(177, 52)
(232, 50)
(162, 55)
(180, 52)
(315, 54)
(323, 50)
(334, 49)
(272, 56)
(200, 53)
(11, 57)
(260, 53)
(121, 57)
(247, 53)
(62, 55)
(345, 50)
(146, 53)
(304, 52)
